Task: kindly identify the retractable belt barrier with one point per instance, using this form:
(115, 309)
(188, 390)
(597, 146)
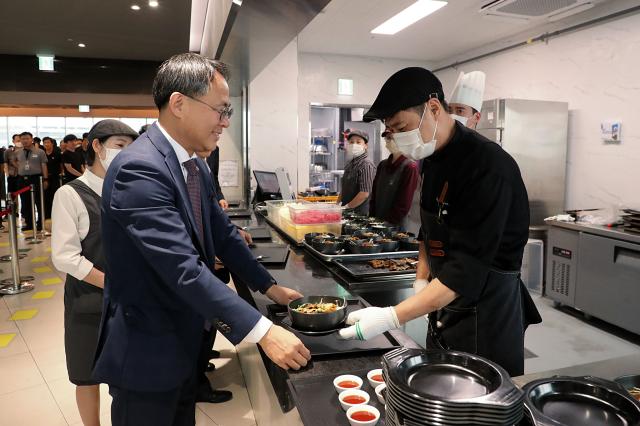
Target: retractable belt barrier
(16, 284)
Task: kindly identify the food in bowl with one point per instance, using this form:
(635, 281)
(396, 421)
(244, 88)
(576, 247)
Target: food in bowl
(347, 382)
(375, 377)
(316, 308)
(635, 392)
(352, 397)
(363, 415)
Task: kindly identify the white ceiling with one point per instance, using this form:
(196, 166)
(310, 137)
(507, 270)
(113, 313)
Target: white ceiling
(344, 28)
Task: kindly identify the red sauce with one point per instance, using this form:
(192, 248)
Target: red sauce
(353, 399)
(377, 378)
(363, 416)
(348, 384)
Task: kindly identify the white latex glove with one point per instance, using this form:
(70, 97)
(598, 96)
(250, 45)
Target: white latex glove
(369, 322)
(419, 285)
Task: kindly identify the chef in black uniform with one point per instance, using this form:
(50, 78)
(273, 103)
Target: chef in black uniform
(475, 224)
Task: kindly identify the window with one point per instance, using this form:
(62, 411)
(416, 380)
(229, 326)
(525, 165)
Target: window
(4, 132)
(54, 127)
(78, 125)
(134, 123)
(22, 124)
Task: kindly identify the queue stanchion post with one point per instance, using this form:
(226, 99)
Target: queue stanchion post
(33, 239)
(16, 284)
(44, 233)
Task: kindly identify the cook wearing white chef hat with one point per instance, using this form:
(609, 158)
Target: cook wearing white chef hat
(466, 99)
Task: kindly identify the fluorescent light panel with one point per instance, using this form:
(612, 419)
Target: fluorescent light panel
(408, 16)
(84, 108)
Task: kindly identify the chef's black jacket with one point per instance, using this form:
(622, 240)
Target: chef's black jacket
(475, 224)
(487, 210)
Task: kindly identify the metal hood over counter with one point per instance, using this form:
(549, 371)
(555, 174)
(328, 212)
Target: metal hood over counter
(257, 30)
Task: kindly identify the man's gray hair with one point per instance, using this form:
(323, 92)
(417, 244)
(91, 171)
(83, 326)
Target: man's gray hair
(187, 73)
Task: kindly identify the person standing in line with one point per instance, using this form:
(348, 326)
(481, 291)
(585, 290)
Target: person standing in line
(54, 165)
(72, 159)
(76, 249)
(31, 163)
(359, 173)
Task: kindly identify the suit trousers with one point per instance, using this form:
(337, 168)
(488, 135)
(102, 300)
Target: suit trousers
(176, 407)
(25, 200)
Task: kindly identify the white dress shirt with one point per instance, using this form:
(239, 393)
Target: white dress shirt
(264, 324)
(70, 225)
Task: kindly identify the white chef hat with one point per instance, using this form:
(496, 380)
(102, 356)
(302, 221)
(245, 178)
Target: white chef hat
(469, 90)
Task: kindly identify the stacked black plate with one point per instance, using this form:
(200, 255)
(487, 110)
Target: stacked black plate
(631, 220)
(570, 401)
(448, 388)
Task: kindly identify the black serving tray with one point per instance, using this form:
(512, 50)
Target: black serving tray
(361, 269)
(317, 399)
(258, 232)
(331, 343)
(274, 253)
(238, 213)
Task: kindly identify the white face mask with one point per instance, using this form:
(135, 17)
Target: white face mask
(354, 150)
(110, 154)
(392, 146)
(460, 119)
(411, 144)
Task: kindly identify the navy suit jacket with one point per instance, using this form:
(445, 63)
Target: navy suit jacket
(160, 287)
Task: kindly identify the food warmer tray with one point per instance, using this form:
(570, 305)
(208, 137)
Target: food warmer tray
(334, 257)
(360, 268)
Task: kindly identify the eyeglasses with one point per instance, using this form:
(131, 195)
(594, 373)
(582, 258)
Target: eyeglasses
(225, 112)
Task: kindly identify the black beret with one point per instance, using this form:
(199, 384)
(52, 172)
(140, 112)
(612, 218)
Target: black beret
(110, 127)
(406, 88)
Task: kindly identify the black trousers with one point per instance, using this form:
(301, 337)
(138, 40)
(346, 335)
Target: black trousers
(25, 199)
(208, 338)
(54, 184)
(176, 407)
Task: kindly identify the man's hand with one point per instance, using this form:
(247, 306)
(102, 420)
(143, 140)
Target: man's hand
(223, 204)
(369, 322)
(284, 348)
(45, 185)
(246, 236)
(282, 295)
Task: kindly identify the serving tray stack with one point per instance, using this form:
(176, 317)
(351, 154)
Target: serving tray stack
(448, 388)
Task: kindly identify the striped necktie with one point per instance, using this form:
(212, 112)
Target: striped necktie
(193, 188)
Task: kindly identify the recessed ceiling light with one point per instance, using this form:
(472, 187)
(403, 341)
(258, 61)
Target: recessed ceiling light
(45, 62)
(153, 3)
(135, 7)
(408, 16)
(82, 45)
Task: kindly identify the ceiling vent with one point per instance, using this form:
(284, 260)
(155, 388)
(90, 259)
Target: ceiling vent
(535, 10)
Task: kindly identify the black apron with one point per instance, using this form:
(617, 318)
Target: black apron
(83, 301)
(350, 189)
(494, 326)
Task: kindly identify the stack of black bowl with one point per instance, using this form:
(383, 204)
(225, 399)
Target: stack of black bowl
(571, 401)
(448, 388)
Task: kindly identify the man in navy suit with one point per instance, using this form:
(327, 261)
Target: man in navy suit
(161, 235)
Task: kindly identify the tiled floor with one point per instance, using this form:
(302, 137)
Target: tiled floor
(35, 391)
(34, 388)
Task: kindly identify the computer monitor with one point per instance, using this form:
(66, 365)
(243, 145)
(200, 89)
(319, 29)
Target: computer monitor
(268, 187)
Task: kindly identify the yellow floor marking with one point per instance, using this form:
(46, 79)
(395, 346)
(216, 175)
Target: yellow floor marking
(49, 281)
(5, 339)
(43, 295)
(5, 244)
(42, 270)
(23, 315)
(40, 259)
(48, 249)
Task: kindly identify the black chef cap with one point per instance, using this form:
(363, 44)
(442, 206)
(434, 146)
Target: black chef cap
(110, 127)
(406, 88)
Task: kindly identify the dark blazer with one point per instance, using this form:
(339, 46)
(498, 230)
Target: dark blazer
(213, 161)
(160, 286)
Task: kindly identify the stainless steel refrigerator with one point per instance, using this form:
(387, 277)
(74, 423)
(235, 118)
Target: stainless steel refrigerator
(535, 134)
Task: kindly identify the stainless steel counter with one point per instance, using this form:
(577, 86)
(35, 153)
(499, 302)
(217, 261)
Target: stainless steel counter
(604, 231)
